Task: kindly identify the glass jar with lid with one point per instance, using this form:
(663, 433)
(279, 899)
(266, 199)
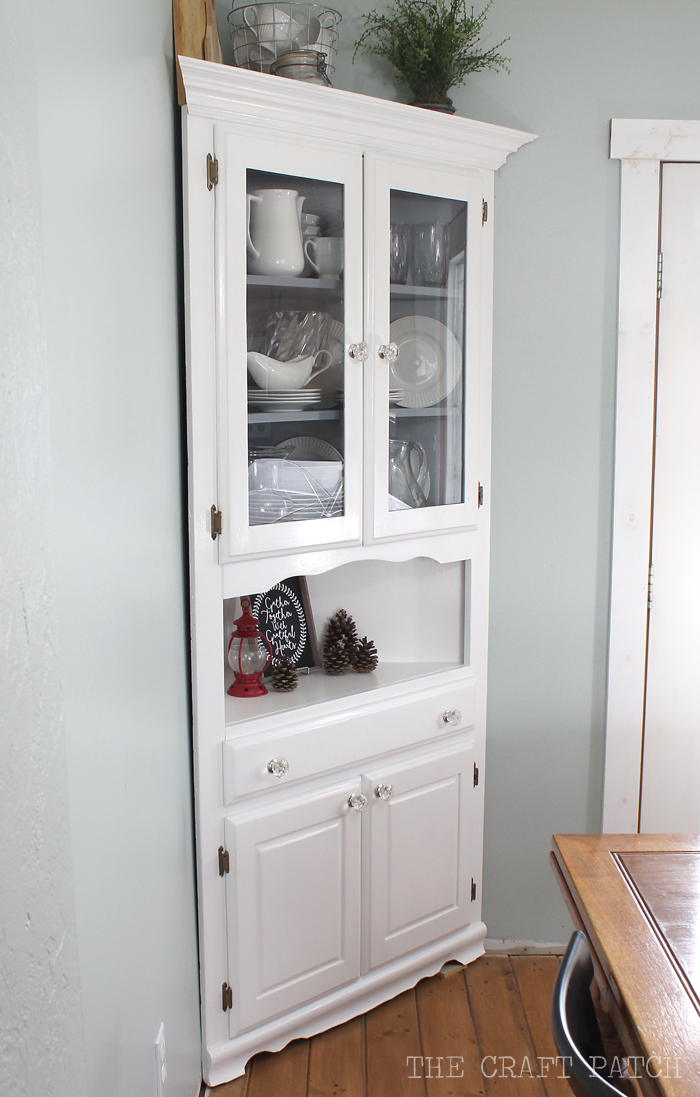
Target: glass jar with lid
(309, 65)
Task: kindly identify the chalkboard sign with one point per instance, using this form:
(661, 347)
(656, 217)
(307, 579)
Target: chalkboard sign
(284, 617)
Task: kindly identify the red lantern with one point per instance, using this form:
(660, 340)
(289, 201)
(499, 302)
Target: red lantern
(246, 657)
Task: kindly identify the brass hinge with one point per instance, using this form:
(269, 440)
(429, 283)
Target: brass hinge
(216, 526)
(659, 276)
(481, 495)
(473, 895)
(226, 997)
(650, 586)
(212, 171)
(484, 211)
(476, 775)
(223, 861)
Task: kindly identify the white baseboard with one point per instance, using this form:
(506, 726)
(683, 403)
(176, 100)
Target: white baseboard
(523, 948)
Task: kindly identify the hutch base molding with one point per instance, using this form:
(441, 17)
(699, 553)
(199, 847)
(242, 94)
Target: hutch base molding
(229, 1059)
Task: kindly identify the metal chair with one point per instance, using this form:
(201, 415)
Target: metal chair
(575, 1027)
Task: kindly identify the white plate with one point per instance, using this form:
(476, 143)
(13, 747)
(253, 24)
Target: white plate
(429, 363)
(309, 449)
(284, 394)
(285, 405)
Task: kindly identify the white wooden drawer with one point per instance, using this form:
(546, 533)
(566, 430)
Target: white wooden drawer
(318, 746)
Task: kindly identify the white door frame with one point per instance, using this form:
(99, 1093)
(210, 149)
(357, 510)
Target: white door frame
(641, 145)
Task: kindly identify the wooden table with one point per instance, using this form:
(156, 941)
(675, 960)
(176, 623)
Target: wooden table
(637, 899)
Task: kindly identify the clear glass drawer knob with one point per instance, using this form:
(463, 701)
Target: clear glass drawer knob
(389, 352)
(384, 792)
(452, 716)
(357, 801)
(278, 767)
(359, 351)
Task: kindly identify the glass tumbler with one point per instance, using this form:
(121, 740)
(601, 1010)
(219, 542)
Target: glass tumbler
(399, 253)
(430, 248)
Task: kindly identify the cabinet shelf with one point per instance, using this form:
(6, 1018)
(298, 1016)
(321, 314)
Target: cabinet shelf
(423, 413)
(398, 290)
(318, 687)
(291, 282)
(293, 416)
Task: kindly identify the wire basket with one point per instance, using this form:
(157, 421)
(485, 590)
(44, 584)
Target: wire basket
(261, 33)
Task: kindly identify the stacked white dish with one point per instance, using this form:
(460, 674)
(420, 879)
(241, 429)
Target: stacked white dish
(283, 490)
(395, 396)
(284, 399)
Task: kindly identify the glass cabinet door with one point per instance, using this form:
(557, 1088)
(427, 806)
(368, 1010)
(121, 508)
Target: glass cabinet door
(427, 273)
(289, 231)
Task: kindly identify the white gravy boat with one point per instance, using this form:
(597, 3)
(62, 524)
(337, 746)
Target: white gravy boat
(268, 373)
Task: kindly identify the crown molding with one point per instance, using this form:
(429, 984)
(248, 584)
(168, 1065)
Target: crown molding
(654, 139)
(226, 93)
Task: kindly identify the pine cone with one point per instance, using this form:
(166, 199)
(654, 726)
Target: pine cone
(341, 627)
(364, 656)
(284, 675)
(336, 658)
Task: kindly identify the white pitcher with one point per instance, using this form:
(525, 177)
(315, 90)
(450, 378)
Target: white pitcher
(274, 232)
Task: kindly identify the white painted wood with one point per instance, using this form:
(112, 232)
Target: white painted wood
(418, 853)
(219, 91)
(264, 572)
(634, 428)
(294, 902)
(324, 695)
(671, 769)
(205, 574)
(314, 746)
(655, 139)
(641, 144)
(227, 1060)
(286, 835)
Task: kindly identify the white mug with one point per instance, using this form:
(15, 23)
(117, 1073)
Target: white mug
(271, 24)
(327, 257)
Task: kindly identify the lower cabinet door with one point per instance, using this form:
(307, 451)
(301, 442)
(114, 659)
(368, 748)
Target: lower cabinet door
(418, 851)
(293, 901)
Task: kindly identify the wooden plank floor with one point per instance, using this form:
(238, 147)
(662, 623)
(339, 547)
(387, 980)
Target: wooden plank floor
(431, 1041)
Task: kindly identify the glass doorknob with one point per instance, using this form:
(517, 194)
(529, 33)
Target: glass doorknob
(278, 767)
(389, 352)
(452, 716)
(384, 792)
(359, 351)
(357, 801)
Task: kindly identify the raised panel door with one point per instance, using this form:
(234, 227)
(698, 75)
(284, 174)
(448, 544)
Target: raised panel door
(418, 851)
(293, 899)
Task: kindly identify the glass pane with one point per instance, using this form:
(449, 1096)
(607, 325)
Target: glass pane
(295, 317)
(428, 247)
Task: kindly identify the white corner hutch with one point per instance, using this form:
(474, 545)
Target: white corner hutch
(354, 869)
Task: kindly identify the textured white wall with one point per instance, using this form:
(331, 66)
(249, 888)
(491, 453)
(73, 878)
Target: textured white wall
(91, 161)
(41, 1040)
(109, 174)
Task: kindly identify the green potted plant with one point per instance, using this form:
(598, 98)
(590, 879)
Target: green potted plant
(433, 45)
